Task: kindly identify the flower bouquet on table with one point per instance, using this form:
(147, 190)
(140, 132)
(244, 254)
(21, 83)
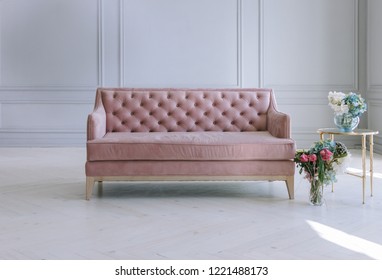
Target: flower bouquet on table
(320, 164)
(347, 109)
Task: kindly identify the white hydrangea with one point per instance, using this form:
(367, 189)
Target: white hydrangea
(336, 102)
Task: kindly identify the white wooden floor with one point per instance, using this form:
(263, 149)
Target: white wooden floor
(43, 215)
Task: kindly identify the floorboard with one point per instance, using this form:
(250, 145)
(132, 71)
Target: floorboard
(44, 215)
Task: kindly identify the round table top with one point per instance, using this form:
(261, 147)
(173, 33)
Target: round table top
(336, 131)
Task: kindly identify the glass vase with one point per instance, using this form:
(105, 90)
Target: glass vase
(316, 193)
(346, 122)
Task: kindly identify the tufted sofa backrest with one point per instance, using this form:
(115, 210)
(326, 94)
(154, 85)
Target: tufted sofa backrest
(184, 110)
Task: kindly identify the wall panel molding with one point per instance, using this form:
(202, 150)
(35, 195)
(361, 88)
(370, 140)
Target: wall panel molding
(374, 68)
(374, 44)
(375, 114)
(245, 35)
(39, 111)
(122, 82)
(238, 53)
(266, 82)
(101, 45)
(35, 41)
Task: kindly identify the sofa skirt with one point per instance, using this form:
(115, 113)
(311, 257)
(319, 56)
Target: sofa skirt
(190, 168)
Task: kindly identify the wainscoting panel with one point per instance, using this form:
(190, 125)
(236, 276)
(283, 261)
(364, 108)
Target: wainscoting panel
(111, 42)
(250, 43)
(374, 78)
(375, 115)
(374, 45)
(50, 65)
(374, 120)
(43, 115)
(49, 43)
(182, 43)
(310, 45)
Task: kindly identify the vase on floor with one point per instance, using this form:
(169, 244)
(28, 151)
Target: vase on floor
(346, 122)
(316, 193)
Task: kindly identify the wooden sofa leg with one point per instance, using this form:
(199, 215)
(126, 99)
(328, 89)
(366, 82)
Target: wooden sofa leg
(89, 187)
(290, 186)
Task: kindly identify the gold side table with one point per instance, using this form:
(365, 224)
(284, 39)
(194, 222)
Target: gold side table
(357, 132)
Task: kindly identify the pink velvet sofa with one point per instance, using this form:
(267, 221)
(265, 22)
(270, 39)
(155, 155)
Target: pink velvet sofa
(188, 135)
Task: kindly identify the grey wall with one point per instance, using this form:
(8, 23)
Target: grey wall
(54, 54)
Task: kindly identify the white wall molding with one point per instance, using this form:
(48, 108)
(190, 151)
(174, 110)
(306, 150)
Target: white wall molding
(98, 74)
(261, 43)
(54, 95)
(240, 35)
(374, 83)
(45, 112)
(121, 43)
(238, 75)
(374, 76)
(353, 86)
(101, 45)
(375, 114)
(42, 138)
(245, 34)
(46, 88)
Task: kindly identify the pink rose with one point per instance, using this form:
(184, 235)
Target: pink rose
(304, 158)
(326, 155)
(312, 158)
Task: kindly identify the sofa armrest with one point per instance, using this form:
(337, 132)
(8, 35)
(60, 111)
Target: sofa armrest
(96, 127)
(278, 123)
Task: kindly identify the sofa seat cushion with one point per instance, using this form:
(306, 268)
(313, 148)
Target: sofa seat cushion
(198, 146)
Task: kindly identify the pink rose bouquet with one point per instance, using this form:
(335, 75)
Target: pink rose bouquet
(319, 164)
(320, 160)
